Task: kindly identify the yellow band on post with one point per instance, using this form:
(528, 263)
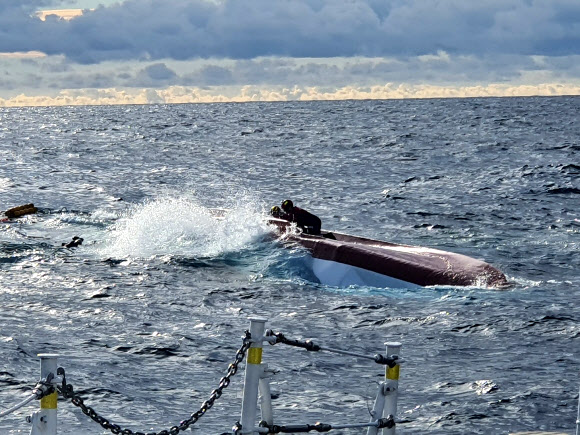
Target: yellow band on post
(49, 402)
(255, 355)
(393, 373)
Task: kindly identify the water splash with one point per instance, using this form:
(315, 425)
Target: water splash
(183, 227)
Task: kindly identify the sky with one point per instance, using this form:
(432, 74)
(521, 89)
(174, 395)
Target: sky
(63, 52)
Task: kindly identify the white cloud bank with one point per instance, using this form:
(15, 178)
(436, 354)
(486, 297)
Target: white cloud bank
(178, 94)
(143, 51)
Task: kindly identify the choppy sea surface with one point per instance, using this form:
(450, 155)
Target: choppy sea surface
(149, 311)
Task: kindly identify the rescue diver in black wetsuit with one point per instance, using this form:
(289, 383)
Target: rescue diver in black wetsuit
(277, 212)
(74, 243)
(308, 222)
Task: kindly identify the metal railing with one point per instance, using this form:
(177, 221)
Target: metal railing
(256, 392)
(256, 386)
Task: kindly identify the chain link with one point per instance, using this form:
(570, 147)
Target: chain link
(68, 393)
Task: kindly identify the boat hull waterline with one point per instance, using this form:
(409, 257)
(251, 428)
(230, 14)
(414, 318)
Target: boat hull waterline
(343, 260)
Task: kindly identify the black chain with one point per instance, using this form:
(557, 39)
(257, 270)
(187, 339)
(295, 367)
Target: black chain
(67, 391)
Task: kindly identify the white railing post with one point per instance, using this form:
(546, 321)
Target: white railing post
(391, 385)
(378, 407)
(252, 377)
(266, 395)
(44, 421)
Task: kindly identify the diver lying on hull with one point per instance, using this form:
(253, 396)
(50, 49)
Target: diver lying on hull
(342, 259)
(309, 223)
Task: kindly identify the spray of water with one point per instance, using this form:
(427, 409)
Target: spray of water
(183, 227)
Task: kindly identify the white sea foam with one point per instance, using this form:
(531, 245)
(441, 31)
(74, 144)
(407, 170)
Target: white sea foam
(183, 226)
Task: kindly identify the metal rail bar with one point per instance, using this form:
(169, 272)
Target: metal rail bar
(18, 406)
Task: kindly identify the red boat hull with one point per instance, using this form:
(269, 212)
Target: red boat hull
(414, 265)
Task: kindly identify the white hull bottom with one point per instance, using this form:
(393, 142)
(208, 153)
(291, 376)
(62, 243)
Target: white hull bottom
(343, 275)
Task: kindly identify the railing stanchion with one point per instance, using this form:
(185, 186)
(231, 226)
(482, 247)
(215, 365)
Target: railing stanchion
(378, 407)
(391, 385)
(266, 396)
(252, 377)
(44, 420)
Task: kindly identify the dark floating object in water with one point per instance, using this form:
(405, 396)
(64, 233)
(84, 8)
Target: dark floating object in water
(342, 260)
(100, 295)
(74, 243)
(21, 210)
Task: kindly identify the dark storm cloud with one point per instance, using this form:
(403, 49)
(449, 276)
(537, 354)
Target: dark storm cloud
(245, 29)
(154, 75)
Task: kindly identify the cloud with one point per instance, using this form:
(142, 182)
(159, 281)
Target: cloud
(155, 75)
(141, 51)
(50, 73)
(246, 29)
(179, 94)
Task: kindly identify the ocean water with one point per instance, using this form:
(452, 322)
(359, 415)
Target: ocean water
(147, 314)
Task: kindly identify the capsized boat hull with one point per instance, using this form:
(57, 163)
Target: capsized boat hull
(342, 260)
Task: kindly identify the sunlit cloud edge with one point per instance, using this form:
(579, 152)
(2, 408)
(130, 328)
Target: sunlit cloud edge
(221, 94)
